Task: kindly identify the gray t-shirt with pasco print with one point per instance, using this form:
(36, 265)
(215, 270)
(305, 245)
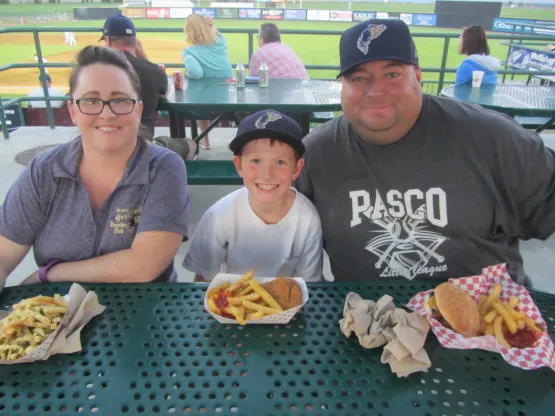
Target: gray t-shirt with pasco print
(48, 206)
(451, 197)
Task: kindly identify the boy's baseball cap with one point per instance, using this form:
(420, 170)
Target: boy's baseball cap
(268, 124)
(376, 40)
(118, 25)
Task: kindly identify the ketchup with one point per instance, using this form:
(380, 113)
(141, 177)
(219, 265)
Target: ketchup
(523, 338)
(221, 300)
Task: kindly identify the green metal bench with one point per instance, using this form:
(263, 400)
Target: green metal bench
(212, 172)
(321, 117)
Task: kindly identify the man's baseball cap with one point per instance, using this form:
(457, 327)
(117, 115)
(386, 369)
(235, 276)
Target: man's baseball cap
(376, 40)
(118, 25)
(268, 124)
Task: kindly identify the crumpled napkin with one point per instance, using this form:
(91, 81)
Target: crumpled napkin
(381, 323)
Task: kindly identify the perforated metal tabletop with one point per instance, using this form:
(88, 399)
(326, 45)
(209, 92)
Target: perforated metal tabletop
(155, 351)
(514, 100)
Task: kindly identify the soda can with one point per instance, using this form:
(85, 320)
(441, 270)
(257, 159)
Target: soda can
(178, 80)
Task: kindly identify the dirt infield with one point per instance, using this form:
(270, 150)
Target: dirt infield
(21, 81)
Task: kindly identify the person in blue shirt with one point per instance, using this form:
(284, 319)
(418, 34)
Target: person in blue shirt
(205, 55)
(474, 44)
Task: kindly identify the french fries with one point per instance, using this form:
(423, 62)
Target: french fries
(29, 324)
(243, 300)
(501, 320)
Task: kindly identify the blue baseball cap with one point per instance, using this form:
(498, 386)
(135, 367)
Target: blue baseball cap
(268, 124)
(376, 40)
(118, 25)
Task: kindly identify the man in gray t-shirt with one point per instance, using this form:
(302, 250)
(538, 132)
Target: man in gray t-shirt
(410, 185)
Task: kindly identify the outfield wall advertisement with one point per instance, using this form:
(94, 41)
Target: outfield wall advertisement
(247, 13)
(251, 13)
(205, 12)
(272, 14)
(295, 14)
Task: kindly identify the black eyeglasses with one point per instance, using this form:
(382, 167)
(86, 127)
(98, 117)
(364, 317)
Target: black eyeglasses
(95, 106)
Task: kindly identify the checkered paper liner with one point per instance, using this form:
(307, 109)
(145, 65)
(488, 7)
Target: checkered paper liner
(543, 354)
(279, 318)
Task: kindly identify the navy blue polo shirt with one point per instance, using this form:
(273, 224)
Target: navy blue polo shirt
(48, 206)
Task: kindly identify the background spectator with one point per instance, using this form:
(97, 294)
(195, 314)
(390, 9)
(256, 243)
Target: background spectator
(52, 92)
(119, 33)
(473, 43)
(205, 56)
(281, 59)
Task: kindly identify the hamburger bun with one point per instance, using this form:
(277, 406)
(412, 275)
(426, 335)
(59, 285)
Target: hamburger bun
(458, 309)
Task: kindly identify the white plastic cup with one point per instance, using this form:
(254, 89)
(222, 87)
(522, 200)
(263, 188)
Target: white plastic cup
(477, 77)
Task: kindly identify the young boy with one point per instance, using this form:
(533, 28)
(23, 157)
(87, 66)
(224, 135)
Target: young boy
(266, 225)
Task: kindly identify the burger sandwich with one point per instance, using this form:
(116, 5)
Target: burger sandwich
(455, 309)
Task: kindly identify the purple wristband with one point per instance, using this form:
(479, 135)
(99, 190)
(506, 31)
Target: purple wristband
(43, 271)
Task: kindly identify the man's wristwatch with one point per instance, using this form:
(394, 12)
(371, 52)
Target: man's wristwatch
(43, 271)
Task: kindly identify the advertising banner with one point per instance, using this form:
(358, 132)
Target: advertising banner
(180, 12)
(169, 3)
(136, 3)
(382, 15)
(341, 16)
(424, 19)
(134, 13)
(407, 18)
(13, 117)
(272, 14)
(255, 14)
(160, 13)
(227, 13)
(363, 16)
(526, 59)
(504, 25)
(205, 12)
(294, 14)
(321, 15)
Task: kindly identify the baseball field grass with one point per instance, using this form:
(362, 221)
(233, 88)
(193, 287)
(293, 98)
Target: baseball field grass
(167, 47)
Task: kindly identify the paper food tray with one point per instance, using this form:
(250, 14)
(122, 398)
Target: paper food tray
(279, 318)
(542, 354)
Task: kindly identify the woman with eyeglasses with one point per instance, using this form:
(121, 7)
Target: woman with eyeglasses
(205, 56)
(473, 43)
(106, 207)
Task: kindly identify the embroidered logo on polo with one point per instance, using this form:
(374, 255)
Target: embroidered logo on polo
(266, 118)
(126, 220)
(368, 35)
(400, 237)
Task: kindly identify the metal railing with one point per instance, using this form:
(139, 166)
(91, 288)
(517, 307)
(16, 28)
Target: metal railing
(251, 34)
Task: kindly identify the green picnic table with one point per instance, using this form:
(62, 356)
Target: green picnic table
(513, 100)
(302, 98)
(220, 96)
(155, 351)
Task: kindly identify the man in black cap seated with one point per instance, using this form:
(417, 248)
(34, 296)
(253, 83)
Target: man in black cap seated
(416, 186)
(119, 33)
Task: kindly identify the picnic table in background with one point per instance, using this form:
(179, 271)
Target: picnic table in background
(156, 351)
(301, 97)
(514, 100)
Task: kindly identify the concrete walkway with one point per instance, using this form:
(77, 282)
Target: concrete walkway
(539, 256)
